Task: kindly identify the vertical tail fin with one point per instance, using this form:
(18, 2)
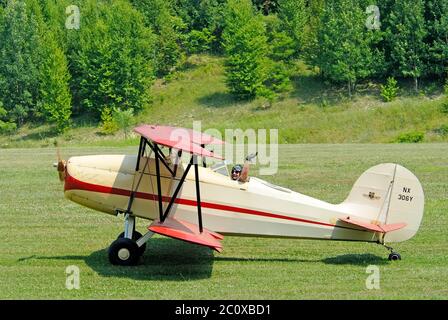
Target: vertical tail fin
(388, 194)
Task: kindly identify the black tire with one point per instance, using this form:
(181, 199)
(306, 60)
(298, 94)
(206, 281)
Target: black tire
(394, 256)
(137, 235)
(124, 252)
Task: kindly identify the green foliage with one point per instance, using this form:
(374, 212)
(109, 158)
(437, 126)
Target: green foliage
(442, 130)
(5, 126)
(124, 119)
(411, 137)
(390, 90)
(202, 14)
(436, 18)
(294, 16)
(19, 61)
(110, 70)
(108, 125)
(405, 34)
(199, 41)
(54, 86)
(344, 44)
(246, 46)
(445, 87)
(159, 15)
(444, 106)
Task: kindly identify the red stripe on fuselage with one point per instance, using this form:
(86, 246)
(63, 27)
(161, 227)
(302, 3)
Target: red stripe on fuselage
(75, 184)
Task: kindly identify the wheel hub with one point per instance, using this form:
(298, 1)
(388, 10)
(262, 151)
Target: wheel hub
(124, 254)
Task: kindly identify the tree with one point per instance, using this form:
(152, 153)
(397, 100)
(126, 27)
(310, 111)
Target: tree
(112, 65)
(294, 15)
(159, 15)
(124, 119)
(19, 61)
(5, 125)
(405, 34)
(246, 46)
(437, 37)
(345, 44)
(54, 85)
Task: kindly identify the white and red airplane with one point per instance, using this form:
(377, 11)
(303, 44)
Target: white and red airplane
(385, 204)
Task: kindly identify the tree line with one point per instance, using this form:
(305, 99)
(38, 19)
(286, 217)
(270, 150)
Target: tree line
(52, 73)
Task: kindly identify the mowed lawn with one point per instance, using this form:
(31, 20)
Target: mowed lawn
(41, 234)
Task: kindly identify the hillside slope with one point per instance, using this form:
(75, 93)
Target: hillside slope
(310, 113)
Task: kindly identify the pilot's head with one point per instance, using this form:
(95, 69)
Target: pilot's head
(236, 172)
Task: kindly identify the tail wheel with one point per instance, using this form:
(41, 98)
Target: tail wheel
(124, 252)
(137, 235)
(394, 256)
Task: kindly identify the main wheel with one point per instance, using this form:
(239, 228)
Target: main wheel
(124, 252)
(137, 235)
(394, 256)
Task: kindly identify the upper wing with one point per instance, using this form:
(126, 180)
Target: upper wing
(179, 138)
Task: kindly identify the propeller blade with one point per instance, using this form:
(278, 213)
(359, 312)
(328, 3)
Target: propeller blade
(61, 164)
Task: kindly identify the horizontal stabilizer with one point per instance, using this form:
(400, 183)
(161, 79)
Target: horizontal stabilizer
(383, 228)
(182, 230)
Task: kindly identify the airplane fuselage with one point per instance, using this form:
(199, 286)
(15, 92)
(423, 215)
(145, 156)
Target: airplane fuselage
(253, 208)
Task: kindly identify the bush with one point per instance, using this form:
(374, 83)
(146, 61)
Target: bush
(124, 119)
(444, 106)
(5, 127)
(199, 41)
(109, 126)
(442, 130)
(445, 87)
(389, 91)
(411, 137)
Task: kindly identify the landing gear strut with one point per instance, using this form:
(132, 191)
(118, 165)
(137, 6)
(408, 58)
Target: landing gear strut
(129, 246)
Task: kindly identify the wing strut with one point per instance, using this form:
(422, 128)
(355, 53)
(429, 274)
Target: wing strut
(176, 228)
(160, 158)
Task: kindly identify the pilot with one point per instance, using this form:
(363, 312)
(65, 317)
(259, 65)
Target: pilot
(241, 173)
(236, 172)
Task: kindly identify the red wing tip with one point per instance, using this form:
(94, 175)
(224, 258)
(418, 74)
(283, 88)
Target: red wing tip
(185, 231)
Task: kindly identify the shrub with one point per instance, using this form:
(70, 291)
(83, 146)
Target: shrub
(199, 41)
(445, 87)
(444, 106)
(411, 137)
(442, 130)
(390, 90)
(109, 126)
(124, 119)
(5, 127)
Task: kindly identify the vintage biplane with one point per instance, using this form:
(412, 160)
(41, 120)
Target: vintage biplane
(199, 203)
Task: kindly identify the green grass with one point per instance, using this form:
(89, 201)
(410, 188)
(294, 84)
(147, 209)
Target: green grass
(313, 112)
(41, 234)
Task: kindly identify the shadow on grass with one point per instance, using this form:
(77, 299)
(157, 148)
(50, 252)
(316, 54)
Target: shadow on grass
(164, 259)
(356, 259)
(217, 100)
(173, 260)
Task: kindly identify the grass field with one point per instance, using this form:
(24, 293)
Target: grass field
(41, 234)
